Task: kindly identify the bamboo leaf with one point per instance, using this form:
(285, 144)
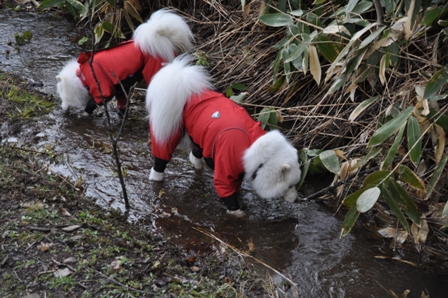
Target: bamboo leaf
(330, 161)
(371, 37)
(301, 47)
(326, 47)
(132, 11)
(408, 176)
(445, 210)
(315, 69)
(350, 6)
(349, 221)
(409, 25)
(351, 199)
(50, 3)
(372, 153)
(435, 84)
(440, 143)
(436, 176)
(375, 178)
(276, 19)
(393, 149)
(414, 144)
(361, 107)
(389, 195)
(382, 72)
(367, 199)
(388, 129)
(404, 200)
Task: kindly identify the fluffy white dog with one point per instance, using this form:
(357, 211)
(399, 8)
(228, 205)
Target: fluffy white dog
(222, 133)
(154, 43)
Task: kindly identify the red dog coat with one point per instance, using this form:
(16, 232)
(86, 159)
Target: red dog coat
(223, 130)
(124, 62)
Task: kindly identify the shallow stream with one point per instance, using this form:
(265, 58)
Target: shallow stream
(300, 240)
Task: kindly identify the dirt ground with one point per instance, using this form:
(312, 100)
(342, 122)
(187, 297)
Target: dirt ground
(57, 243)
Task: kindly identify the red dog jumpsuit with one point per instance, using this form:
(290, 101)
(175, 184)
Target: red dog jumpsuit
(123, 63)
(223, 130)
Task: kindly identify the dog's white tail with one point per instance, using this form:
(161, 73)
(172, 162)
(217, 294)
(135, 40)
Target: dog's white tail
(168, 93)
(165, 34)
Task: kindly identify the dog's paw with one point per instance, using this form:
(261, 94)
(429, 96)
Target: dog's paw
(155, 176)
(197, 162)
(85, 114)
(237, 213)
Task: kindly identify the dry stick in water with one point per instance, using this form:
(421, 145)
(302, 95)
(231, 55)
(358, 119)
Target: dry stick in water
(113, 140)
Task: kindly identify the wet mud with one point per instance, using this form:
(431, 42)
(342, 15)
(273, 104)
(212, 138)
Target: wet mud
(301, 240)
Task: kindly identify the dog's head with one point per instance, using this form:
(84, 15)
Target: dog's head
(272, 167)
(70, 88)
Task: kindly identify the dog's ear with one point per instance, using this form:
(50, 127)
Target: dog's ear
(285, 169)
(58, 78)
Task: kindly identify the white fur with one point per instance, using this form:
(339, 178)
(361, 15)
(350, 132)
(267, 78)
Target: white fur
(197, 162)
(280, 171)
(155, 176)
(70, 88)
(163, 35)
(164, 104)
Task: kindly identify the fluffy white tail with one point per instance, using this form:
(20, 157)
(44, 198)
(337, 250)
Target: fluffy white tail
(164, 35)
(168, 93)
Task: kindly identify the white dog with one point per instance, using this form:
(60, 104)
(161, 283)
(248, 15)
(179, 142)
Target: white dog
(222, 132)
(155, 42)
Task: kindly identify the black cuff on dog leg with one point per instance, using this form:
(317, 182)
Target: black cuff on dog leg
(91, 105)
(160, 165)
(231, 202)
(197, 151)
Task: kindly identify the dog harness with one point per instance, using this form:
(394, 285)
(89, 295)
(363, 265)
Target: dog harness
(222, 130)
(123, 63)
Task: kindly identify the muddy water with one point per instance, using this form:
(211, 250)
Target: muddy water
(300, 240)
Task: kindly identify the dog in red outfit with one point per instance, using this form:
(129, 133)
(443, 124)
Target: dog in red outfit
(154, 43)
(222, 134)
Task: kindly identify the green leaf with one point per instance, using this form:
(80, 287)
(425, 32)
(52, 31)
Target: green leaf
(276, 19)
(432, 14)
(50, 3)
(361, 107)
(404, 200)
(239, 98)
(362, 6)
(330, 161)
(326, 47)
(375, 178)
(367, 199)
(83, 40)
(76, 4)
(350, 6)
(388, 129)
(435, 83)
(301, 47)
(349, 221)
(371, 37)
(27, 35)
(393, 150)
(390, 195)
(297, 12)
(436, 176)
(408, 176)
(413, 140)
(351, 199)
(238, 86)
(372, 153)
(354, 62)
(445, 211)
(263, 116)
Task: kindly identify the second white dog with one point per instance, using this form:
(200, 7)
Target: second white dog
(155, 42)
